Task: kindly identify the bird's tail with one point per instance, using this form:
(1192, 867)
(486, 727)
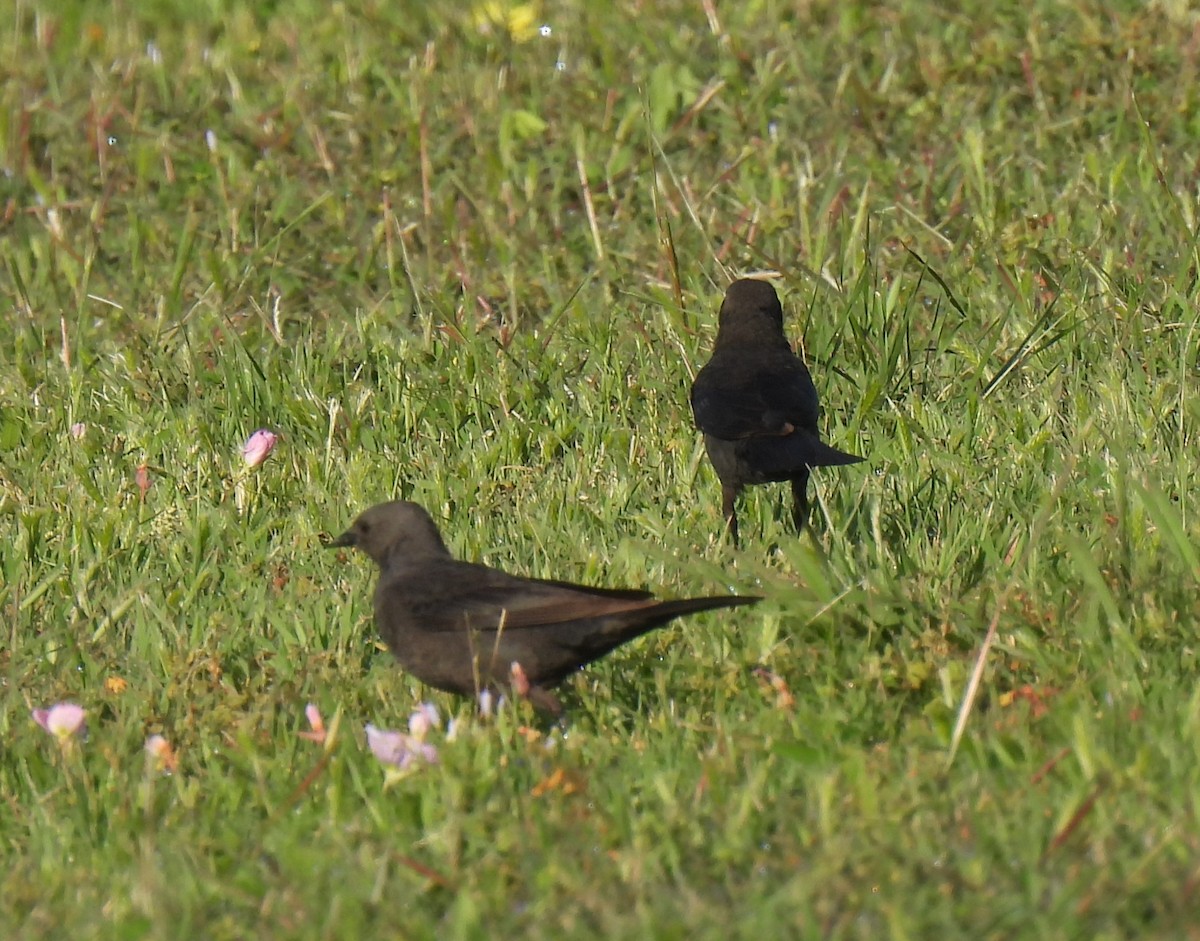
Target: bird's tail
(673, 609)
(782, 458)
(633, 624)
(819, 454)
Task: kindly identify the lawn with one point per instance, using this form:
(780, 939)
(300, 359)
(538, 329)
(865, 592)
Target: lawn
(471, 256)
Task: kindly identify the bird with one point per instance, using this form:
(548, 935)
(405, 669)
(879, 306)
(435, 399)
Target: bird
(463, 627)
(756, 404)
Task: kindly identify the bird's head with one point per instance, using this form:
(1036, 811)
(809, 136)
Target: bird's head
(750, 313)
(393, 532)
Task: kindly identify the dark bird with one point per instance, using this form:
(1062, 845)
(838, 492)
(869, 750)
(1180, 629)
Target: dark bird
(463, 627)
(756, 403)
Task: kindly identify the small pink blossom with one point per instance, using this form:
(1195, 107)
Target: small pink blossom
(64, 720)
(142, 477)
(424, 719)
(490, 703)
(78, 430)
(398, 749)
(258, 446)
(316, 724)
(520, 682)
(162, 754)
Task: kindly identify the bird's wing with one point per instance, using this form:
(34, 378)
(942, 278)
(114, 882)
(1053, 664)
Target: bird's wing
(462, 595)
(732, 399)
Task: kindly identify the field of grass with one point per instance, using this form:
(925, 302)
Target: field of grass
(471, 256)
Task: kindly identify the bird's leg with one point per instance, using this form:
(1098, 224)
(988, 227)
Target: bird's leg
(728, 507)
(800, 498)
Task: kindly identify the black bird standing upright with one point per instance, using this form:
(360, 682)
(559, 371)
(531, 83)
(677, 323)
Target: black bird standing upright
(756, 403)
(463, 627)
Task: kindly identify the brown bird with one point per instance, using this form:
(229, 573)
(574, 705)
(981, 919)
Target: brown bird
(756, 403)
(463, 627)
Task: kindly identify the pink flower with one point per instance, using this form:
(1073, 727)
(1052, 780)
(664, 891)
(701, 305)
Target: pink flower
(520, 682)
(316, 724)
(423, 720)
(258, 446)
(142, 477)
(78, 430)
(162, 754)
(64, 720)
(397, 749)
(487, 702)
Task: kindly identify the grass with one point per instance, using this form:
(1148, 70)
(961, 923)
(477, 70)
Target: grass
(445, 268)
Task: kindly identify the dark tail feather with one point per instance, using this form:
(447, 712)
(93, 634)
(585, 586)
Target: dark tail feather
(656, 615)
(630, 624)
(816, 453)
(665, 610)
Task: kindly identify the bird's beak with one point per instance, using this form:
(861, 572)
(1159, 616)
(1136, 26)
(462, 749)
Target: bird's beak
(345, 539)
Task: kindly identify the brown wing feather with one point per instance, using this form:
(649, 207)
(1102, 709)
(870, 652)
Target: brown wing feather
(449, 596)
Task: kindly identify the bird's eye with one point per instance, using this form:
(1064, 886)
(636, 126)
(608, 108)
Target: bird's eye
(364, 528)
